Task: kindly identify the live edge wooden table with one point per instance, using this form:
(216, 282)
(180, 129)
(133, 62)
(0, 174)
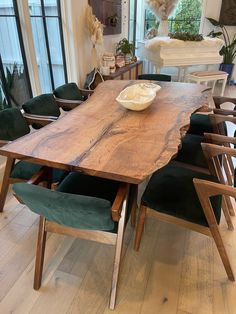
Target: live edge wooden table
(101, 138)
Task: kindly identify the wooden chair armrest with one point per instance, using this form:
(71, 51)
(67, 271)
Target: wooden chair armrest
(219, 139)
(225, 112)
(117, 204)
(42, 175)
(206, 189)
(220, 118)
(2, 143)
(39, 119)
(220, 100)
(70, 104)
(86, 92)
(212, 150)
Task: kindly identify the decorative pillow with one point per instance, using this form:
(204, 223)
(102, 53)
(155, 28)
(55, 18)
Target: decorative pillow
(13, 125)
(68, 91)
(93, 79)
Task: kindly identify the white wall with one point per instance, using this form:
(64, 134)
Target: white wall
(78, 45)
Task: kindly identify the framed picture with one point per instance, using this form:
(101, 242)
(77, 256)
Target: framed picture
(228, 12)
(109, 13)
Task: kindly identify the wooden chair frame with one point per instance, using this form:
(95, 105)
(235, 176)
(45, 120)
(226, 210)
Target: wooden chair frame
(118, 214)
(205, 190)
(219, 100)
(71, 104)
(10, 163)
(223, 170)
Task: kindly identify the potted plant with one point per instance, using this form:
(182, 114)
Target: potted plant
(228, 51)
(126, 48)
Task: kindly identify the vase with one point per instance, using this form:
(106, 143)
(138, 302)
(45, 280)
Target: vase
(228, 68)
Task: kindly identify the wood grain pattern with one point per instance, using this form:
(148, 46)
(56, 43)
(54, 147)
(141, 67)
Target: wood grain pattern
(104, 139)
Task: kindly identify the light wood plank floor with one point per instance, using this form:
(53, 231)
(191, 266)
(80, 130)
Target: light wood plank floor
(175, 271)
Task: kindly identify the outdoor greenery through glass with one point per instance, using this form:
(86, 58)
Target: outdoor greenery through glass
(186, 18)
(14, 80)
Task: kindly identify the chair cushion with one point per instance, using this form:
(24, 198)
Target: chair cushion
(200, 124)
(171, 191)
(44, 104)
(155, 77)
(12, 124)
(191, 151)
(76, 211)
(25, 170)
(79, 183)
(68, 91)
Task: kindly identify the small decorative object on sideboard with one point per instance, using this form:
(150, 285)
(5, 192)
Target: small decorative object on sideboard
(126, 48)
(120, 61)
(108, 60)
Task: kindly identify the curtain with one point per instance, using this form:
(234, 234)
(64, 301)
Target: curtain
(162, 9)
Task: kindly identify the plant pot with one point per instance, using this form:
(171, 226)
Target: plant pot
(128, 58)
(228, 68)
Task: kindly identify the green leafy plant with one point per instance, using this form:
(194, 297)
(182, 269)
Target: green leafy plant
(228, 51)
(14, 87)
(124, 47)
(186, 36)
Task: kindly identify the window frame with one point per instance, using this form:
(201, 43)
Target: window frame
(44, 20)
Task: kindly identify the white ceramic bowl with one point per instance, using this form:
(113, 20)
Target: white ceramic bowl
(138, 97)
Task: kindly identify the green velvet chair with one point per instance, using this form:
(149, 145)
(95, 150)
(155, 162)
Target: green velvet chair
(155, 77)
(69, 96)
(186, 198)
(200, 124)
(82, 206)
(14, 125)
(43, 105)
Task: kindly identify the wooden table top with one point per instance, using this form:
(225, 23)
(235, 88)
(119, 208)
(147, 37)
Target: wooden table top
(101, 138)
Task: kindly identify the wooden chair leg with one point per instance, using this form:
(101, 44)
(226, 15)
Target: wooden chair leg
(229, 205)
(140, 226)
(118, 250)
(227, 215)
(40, 253)
(5, 182)
(222, 251)
(134, 205)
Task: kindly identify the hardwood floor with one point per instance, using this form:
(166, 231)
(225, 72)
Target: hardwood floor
(175, 271)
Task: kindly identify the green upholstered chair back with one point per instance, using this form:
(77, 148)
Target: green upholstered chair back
(76, 211)
(44, 104)
(12, 124)
(68, 91)
(155, 77)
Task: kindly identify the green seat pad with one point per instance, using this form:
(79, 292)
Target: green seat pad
(155, 77)
(191, 151)
(171, 191)
(68, 91)
(79, 183)
(44, 104)
(12, 124)
(200, 124)
(25, 170)
(76, 211)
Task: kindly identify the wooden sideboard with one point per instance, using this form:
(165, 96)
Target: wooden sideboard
(128, 72)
